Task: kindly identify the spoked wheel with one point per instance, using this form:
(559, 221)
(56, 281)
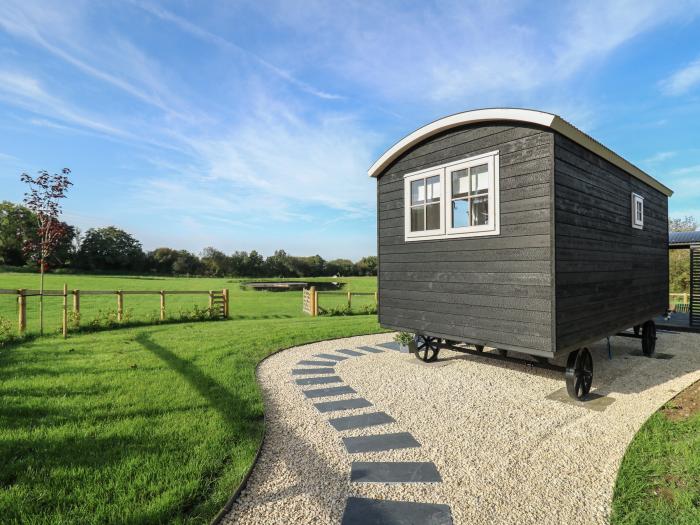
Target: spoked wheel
(579, 373)
(479, 348)
(427, 348)
(648, 338)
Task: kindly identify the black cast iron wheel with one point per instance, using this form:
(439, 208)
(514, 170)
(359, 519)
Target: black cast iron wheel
(648, 338)
(479, 348)
(427, 348)
(579, 373)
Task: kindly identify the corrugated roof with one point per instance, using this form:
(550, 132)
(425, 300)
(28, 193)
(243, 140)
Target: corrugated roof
(541, 118)
(683, 238)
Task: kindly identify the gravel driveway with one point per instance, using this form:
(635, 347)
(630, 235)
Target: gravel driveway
(482, 441)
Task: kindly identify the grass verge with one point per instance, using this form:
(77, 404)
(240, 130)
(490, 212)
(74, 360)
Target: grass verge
(659, 479)
(142, 425)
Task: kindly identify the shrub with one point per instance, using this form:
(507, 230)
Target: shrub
(403, 338)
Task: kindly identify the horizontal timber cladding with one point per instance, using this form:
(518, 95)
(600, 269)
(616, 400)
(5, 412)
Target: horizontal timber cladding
(609, 275)
(492, 290)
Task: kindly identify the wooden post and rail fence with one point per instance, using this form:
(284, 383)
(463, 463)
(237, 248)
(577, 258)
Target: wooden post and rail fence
(218, 302)
(309, 301)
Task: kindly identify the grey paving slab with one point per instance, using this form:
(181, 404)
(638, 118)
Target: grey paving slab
(343, 404)
(392, 345)
(330, 391)
(308, 371)
(394, 472)
(593, 401)
(365, 511)
(332, 356)
(317, 363)
(379, 442)
(351, 353)
(371, 349)
(361, 421)
(323, 380)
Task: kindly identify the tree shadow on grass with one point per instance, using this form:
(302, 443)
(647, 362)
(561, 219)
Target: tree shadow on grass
(245, 421)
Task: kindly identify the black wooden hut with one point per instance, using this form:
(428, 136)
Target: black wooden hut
(513, 229)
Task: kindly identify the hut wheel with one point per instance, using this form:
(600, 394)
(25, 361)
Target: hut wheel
(479, 348)
(579, 373)
(636, 329)
(648, 338)
(427, 348)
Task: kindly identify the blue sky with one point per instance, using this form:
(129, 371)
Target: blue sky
(251, 125)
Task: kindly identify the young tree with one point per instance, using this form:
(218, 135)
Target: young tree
(684, 224)
(44, 199)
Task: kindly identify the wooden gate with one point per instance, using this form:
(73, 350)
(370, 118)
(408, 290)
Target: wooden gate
(218, 303)
(309, 301)
(694, 310)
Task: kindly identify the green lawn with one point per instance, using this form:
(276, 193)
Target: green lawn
(245, 304)
(659, 479)
(140, 425)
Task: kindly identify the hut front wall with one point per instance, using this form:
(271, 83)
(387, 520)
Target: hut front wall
(494, 290)
(609, 275)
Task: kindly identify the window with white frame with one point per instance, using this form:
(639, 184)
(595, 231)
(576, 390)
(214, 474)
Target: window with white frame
(637, 211)
(458, 199)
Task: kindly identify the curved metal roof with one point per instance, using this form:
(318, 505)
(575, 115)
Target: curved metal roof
(530, 116)
(680, 239)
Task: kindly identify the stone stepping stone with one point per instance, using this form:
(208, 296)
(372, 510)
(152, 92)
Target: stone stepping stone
(323, 380)
(379, 442)
(317, 363)
(392, 345)
(365, 511)
(331, 356)
(394, 472)
(343, 404)
(351, 353)
(307, 371)
(361, 421)
(371, 349)
(328, 392)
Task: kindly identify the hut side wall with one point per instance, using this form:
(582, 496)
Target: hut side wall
(609, 275)
(494, 290)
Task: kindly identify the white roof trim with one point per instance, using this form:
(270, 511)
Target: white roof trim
(516, 115)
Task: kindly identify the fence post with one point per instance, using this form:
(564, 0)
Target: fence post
(376, 298)
(349, 299)
(211, 300)
(162, 305)
(314, 301)
(120, 305)
(64, 319)
(76, 303)
(226, 302)
(22, 324)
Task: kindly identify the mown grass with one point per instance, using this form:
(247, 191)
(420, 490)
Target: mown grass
(659, 480)
(140, 425)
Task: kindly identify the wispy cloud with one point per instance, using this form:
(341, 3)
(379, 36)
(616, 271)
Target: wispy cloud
(207, 36)
(661, 156)
(683, 80)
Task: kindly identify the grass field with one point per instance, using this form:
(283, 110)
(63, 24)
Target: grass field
(245, 304)
(659, 479)
(153, 424)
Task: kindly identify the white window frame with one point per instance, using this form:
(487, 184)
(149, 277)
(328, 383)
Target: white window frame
(424, 174)
(445, 172)
(637, 223)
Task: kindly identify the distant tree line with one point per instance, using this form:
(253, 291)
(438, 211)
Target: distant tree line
(111, 249)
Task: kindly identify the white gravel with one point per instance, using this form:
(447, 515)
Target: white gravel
(506, 453)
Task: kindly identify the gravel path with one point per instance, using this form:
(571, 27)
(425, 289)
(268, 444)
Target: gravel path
(504, 451)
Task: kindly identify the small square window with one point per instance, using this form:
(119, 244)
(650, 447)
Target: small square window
(637, 211)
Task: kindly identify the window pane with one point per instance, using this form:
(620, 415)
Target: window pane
(432, 216)
(480, 211)
(460, 183)
(417, 219)
(460, 213)
(432, 189)
(480, 178)
(418, 191)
